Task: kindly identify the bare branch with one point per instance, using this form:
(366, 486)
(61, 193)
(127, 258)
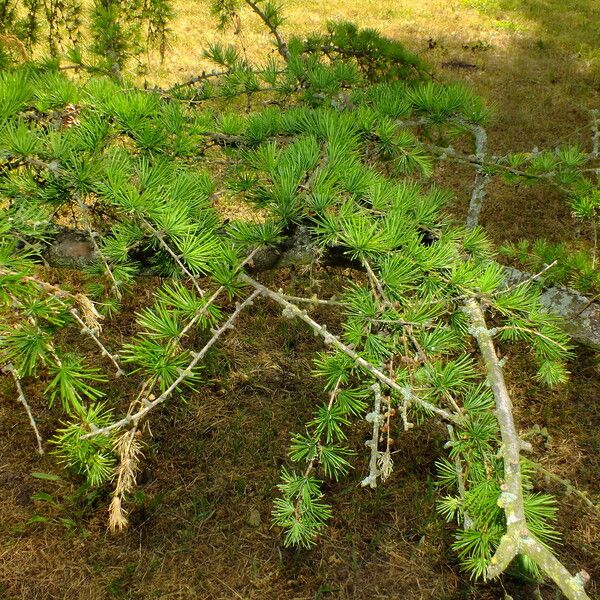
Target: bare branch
(193, 80)
(86, 329)
(376, 418)
(569, 487)
(311, 300)
(9, 368)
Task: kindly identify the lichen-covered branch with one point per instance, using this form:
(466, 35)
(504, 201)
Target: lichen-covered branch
(375, 418)
(518, 538)
(481, 177)
(291, 310)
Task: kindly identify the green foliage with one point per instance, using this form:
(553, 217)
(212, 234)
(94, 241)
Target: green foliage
(70, 383)
(574, 268)
(118, 30)
(375, 56)
(299, 509)
(91, 457)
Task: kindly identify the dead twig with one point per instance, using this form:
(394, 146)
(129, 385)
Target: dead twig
(9, 368)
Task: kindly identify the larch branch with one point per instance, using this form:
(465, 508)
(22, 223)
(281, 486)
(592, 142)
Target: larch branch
(518, 538)
(292, 310)
(197, 357)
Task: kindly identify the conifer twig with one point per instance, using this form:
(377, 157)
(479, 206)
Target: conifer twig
(534, 277)
(92, 235)
(467, 521)
(89, 323)
(333, 396)
(374, 417)
(291, 310)
(118, 519)
(495, 163)
(569, 487)
(495, 330)
(161, 240)
(282, 46)
(214, 296)
(184, 373)
(409, 332)
(518, 538)
(9, 368)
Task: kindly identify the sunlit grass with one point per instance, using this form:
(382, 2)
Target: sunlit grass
(571, 27)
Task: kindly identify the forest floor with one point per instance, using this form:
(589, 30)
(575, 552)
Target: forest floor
(200, 519)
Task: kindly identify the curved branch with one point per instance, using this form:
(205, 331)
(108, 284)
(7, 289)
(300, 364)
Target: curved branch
(292, 310)
(21, 397)
(197, 357)
(282, 46)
